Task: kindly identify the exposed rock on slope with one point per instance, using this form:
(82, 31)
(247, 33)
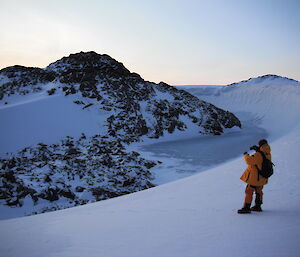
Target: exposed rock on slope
(23, 80)
(72, 172)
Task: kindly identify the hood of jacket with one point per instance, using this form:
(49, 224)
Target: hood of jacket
(266, 149)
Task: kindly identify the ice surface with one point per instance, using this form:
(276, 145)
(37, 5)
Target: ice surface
(185, 157)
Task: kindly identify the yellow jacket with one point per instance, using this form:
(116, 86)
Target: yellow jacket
(250, 175)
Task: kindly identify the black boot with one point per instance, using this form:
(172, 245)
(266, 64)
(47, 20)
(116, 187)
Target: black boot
(258, 203)
(245, 209)
(256, 207)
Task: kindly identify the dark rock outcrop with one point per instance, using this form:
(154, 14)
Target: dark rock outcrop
(95, 169)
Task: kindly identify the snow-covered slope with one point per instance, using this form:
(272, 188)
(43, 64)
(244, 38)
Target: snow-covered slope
(195, 216)
(269, 101)
(31, 119)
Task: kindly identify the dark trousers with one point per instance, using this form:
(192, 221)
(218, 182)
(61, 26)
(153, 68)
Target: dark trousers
(258, 194)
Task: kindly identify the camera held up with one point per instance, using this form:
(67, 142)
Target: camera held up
(254, 147)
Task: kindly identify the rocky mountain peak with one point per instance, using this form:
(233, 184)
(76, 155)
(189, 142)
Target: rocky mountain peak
(90, 67)
(83, 59)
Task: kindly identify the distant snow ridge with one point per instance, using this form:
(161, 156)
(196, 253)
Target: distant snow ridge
(269, 101)
(268, 79)
(65, 173)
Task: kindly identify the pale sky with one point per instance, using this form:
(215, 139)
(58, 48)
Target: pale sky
(178, 42)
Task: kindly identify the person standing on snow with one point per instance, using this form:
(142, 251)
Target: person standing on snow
(255, 182)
